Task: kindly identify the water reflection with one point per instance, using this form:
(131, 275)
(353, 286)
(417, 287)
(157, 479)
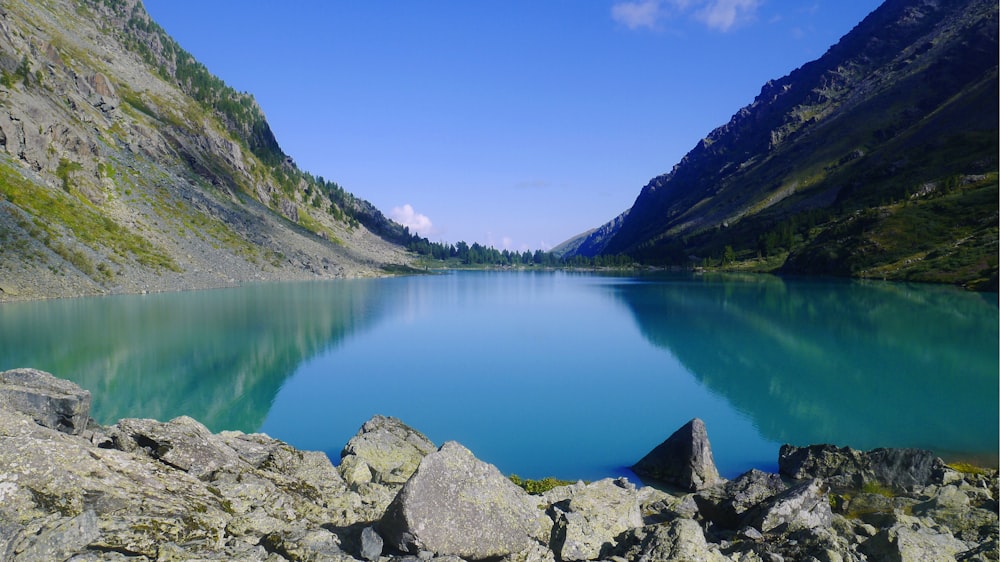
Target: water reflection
(218, 356)
(861, 364)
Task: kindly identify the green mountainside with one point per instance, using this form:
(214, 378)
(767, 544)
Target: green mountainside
(877, 160)
(126, 166)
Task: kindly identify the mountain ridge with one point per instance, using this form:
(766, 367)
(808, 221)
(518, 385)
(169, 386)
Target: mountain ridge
(126, 166)
(858, 130)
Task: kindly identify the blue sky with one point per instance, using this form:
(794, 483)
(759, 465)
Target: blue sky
(517, 124)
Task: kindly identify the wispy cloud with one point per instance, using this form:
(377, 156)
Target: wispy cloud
(413, 220)
(633, 15)
(720, 15)
(724, 14)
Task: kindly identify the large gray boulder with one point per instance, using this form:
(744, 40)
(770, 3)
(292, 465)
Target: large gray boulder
(54, 403)
(683, 460)
(680, 539)
(182, 443)
(803, 507)
(912, 540)
(900, 469)
(456, 504)
(595, 514)
(725, 505)
(384, 451)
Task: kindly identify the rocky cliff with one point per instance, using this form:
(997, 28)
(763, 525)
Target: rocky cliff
(148, 490)
(126, 166)
(879, 160)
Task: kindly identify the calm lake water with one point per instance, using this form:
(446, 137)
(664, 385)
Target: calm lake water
(543, 373)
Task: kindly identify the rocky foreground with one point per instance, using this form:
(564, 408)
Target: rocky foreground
(141, 489)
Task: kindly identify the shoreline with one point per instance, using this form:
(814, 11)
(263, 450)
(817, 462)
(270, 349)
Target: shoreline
(143, 489)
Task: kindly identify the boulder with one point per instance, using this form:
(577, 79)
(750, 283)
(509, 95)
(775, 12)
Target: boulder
(900, 469)
(589, 521)
(54, 403)
(371, 544)
(456, 504)
(384, 451)
(910, 540)
(684, 459)
(725, 505)
(182, 443)
(805, 506)
(138, 502)
(680, 539)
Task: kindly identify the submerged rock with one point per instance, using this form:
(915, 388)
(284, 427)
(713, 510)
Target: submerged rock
(456, 504)
(54, 403)
(684, 459)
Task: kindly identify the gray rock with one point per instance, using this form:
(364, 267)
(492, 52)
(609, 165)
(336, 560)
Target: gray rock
(589, 522)
(901, 469)
(65, 536)
(182, 443)
(911, 540)
(684, 459)
(805, 506)
(455, 504)
(681, 539)
(725, 505)
(318, 545)
(389, 449)
(951, 507)
(55, 403)
(371, 544)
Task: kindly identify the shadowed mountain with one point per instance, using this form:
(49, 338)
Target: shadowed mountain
(877, 160)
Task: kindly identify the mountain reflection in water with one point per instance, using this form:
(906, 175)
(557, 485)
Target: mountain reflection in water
(865, 364)
(218, 356)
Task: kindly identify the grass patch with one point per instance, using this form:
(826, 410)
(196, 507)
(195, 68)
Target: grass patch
(874, 487)
(87, 226)
(966, 468)
(538, 486)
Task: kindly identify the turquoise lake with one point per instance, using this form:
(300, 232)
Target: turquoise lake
(543, 373)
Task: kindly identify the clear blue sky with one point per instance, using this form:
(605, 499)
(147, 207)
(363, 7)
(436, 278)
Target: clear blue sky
(517, 124)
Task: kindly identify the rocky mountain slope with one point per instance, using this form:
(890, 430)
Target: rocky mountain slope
(877, 160)
(125, 166)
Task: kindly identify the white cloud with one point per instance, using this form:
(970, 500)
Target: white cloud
(411, 219)
(634, 15)
(724, 14)
(721, 15)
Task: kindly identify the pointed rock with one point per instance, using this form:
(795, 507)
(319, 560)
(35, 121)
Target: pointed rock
(684, 459)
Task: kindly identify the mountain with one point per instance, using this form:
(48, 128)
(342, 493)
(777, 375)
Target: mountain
(879, 159)
(126, 166)
(590, 243)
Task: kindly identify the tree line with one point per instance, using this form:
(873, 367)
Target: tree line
(478, 254)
